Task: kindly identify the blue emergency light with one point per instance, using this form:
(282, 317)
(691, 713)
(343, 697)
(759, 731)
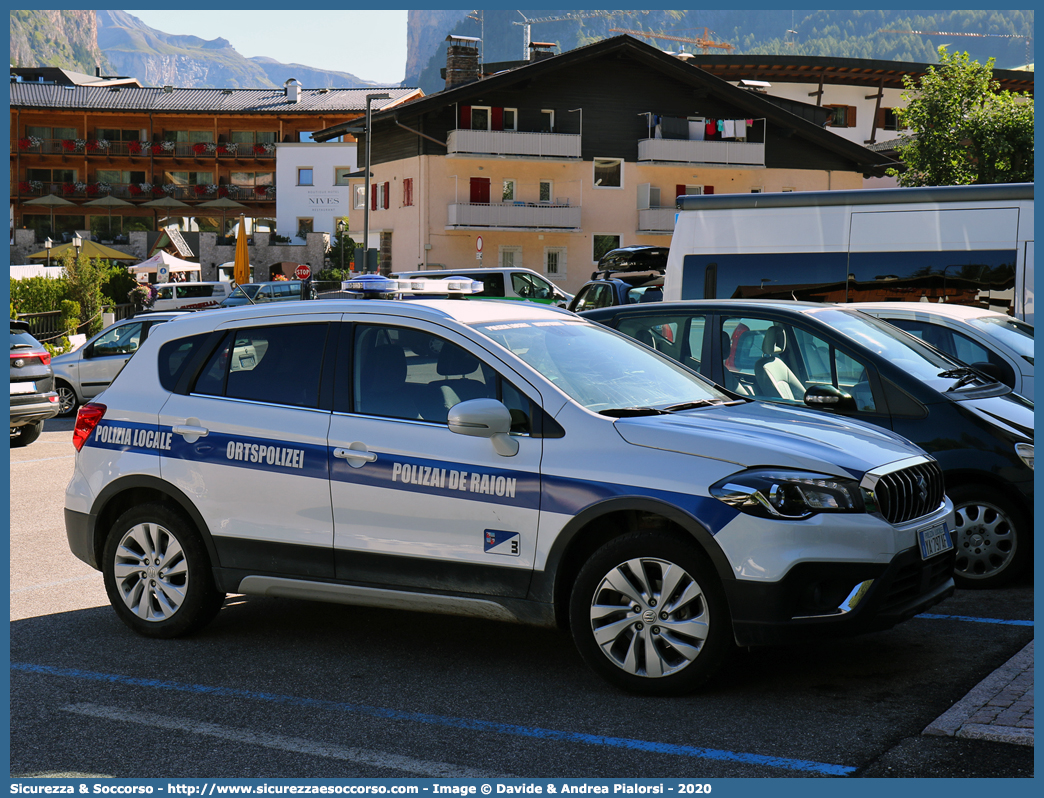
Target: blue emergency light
(374, 286)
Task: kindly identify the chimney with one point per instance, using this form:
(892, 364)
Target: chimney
(293, 90)
(462, 60)
(538, 51)
(97, 72)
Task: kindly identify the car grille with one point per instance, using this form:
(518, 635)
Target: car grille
(915, 578)
(910, 493)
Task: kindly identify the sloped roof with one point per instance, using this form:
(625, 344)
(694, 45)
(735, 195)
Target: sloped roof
(753, 104)
(208, 101)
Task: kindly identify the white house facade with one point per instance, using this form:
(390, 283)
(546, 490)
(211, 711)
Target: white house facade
(313, 186)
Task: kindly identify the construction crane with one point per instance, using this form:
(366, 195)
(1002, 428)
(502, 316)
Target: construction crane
(574, 15)
(704, 42)
(1029, 39)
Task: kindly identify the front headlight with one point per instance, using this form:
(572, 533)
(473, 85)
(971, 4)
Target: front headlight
(791, 494)
(1025, 453)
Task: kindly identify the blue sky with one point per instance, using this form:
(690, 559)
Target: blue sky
(368, 44)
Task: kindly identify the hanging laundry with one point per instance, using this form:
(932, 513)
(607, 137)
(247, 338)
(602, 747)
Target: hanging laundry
(712, 127)
(721, 125)
(728, 130)
(741, 128)
(697, 130)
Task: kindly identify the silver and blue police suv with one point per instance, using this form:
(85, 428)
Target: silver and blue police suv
(501, 460)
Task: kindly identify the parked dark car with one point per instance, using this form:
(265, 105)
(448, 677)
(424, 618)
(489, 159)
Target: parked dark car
(624, 276)
(33, 399)
(845, 362)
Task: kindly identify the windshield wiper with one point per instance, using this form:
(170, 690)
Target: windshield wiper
(632, 412)
(693, 405)
(964, 375)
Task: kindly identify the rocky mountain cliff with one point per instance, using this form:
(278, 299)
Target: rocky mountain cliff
(67, 39)
(425, 31)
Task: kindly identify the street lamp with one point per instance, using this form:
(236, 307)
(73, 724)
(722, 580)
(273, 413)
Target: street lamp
(77, 242)
(340, 242)
(48, 243)
(366, 207)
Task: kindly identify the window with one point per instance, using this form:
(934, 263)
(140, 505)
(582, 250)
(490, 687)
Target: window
(304, 176)
(887, 119)
(189, 136)
(594, 296)
(341, 174)
(116, 177)
(253, 136)
(529, 286)
(555, 262)
(407, 191)
(508, 192)
(120, 340)
(547, 190)
(46, 133)
(480, 118)
(510, 119)
(57, 175)
(111, 134)
(843, 116)
(678, 336)
(777, 361)
(509, 257)
(756, 190)
(189, 178)
(608, 173)
(359, 194)
(254, 364)
(304, 227)
(547, 121)
(604, 243)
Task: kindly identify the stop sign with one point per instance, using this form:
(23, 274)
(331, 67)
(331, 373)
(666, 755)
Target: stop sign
(302, 272)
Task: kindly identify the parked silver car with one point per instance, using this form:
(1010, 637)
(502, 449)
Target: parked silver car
(86, 372)
(1000, 344)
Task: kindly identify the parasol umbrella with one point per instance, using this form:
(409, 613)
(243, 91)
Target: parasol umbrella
(165, 202)
(241, 264)
(92, 249)
(110, 202)
(222, 203)
(51, 200)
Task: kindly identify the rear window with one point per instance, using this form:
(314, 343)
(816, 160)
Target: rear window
(22, 339)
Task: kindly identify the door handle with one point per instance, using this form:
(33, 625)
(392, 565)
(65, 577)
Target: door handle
(356, 455)
(190, 432)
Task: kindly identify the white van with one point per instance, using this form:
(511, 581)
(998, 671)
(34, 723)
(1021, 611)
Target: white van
(189, 296)
(965, 245)
(502, 283)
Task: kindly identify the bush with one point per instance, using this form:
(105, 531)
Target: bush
(38, 294)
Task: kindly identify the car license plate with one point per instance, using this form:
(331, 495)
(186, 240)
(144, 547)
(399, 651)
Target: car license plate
(23, 387)
(934, 540)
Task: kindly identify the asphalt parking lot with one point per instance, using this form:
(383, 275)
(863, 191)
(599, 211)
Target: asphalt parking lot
(290, 689)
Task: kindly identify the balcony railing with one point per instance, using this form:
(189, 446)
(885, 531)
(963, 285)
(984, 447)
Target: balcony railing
(142, 149)
(141, 192)
(720, 152)
(507, 142)
(656, 220)
(526, 215)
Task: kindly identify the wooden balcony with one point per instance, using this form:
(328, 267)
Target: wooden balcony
(518, 216)
(507, 142)
(143, 149)
(739, 153)
(140, 192)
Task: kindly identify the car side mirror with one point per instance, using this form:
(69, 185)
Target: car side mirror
(827, 396)
(996, 372)
(484, 418)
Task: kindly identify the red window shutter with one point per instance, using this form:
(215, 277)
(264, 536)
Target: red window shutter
(465, 117)
(708, 189)
(679, 190)
(851, 116)
(373, 197)
(496, 118)
(387, 194)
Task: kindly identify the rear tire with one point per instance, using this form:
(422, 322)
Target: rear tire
(649, 615)
(26, 434)
(67, 401)
(992, 538)
(158, 574)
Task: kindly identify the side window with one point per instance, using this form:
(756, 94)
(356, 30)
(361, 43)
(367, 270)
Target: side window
(121, 340)
(827, 365)
(593, 296)
(969, 351)
(529, 287)
(174, 357)
(678, 337)
(494, 284)
(412, 374)
(276, 365)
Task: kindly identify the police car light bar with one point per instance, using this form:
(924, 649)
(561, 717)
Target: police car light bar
(373, 285)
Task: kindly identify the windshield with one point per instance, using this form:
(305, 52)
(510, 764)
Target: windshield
(600, 369)
(241, 295)
(1011, 332)
(905, 351)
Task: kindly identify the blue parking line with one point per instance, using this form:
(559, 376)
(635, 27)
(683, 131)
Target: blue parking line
(974, 620)
(470, 724)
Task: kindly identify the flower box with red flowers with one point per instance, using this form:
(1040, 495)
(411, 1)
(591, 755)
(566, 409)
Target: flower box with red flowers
(24, 144)
(199, 149)
(157, 149)
(69, 145)
(134, 147)
(134, 190)
(23, 187)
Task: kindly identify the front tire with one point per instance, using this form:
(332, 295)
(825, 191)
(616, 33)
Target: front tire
(992, 538)
(649, 615)
(157, 573)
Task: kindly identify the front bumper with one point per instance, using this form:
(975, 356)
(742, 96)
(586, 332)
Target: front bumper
(810, 601)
